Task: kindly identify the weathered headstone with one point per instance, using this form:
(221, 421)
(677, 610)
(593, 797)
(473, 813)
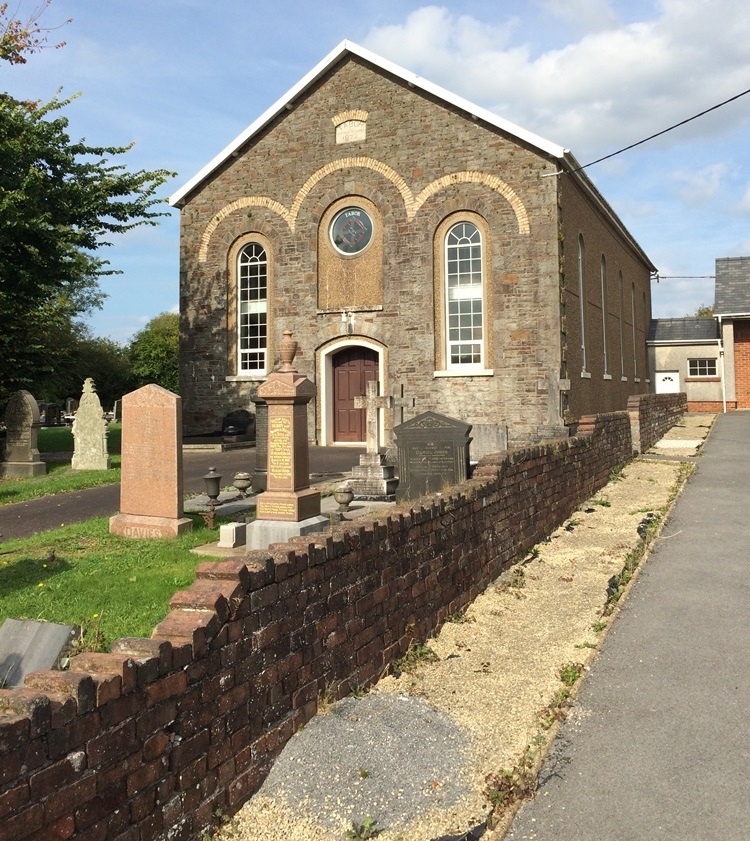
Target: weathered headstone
(20, 452)
(151, 487)
(372, 477)
(289, 507)
(90, 432)
(26, 645)
(433, 453)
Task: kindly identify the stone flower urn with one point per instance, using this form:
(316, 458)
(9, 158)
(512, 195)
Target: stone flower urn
(242, 481)
(343, 495)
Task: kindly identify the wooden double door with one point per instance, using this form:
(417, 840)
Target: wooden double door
(353, 368)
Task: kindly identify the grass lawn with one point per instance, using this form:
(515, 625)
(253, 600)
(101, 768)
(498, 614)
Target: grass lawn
(83, 575)
(60, 477)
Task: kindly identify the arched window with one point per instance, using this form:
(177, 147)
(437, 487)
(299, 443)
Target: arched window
(603, 278)
(464, 296)
(635, 349)
(582, 301)
(622, 329)
(252, 309)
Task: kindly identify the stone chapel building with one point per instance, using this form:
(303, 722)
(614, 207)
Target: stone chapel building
(406, 235)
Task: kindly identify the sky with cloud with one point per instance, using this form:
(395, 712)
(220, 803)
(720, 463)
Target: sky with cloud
(182, 78)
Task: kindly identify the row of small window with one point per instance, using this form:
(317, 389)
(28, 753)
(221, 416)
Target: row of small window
(701, 367)
(464, 297)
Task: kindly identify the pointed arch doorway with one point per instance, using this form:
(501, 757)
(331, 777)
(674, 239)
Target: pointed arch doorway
(351, 368)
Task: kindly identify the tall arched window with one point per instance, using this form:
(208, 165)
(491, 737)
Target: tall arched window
(252, 309)
(603, 278)
(622, 329)
(582, 301)
(464, 296)
(635, 349)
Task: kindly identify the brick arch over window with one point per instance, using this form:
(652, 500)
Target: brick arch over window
(250, 272)
(450, 326)
(412, 203)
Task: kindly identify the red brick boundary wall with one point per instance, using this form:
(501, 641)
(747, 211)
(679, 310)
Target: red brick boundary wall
(149, 740)
(651, 415)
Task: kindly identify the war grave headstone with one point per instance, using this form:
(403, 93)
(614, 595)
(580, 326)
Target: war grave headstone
(372, 478)
(151, 493)
(90, 432)
(288, 507)
(433, 453)
(26, 646)
(20, 453)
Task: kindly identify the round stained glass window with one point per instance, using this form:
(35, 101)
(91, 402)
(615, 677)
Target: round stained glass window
(351, 230)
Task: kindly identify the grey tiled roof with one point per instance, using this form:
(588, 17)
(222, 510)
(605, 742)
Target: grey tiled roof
(683, 330)
(732, 285)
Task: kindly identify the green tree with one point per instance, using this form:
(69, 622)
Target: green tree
(60, 203)
(154, 351)
(80, 355)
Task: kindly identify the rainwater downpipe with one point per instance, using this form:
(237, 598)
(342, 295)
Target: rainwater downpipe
(723, 380)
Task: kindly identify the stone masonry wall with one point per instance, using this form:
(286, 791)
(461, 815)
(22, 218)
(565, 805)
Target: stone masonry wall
(651, 415)
(149, 740)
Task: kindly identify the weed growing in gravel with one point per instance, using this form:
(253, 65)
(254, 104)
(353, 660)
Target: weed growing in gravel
(570, 673)
(598, 626)
(586, 645)
(358, 691)
(512, 582)
(362, 831)
(617, 474)
(506, 787)
(460, 617)
(416, 653)
(604, 503)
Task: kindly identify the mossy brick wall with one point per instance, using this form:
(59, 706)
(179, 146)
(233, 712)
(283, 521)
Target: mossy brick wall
(651, 415)
(149, 740)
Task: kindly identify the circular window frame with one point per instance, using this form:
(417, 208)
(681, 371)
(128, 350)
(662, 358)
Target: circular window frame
(371, 237)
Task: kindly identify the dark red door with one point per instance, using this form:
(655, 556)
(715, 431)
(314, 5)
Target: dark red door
(353, 368)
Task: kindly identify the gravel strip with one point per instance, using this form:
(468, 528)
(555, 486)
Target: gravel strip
(414, 753)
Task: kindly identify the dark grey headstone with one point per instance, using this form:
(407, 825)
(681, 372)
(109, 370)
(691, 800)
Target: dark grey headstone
(26, 646)
(237, 422)
(260, 477)
(433, 453)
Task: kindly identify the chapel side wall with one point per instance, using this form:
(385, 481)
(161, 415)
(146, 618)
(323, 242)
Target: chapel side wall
(157, 735)
(284, 183)
(627, 362)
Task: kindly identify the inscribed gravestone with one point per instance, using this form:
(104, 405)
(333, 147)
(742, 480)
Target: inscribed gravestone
(433, 452)
(26, 645)
(90, 432)
(151, 487)
(20, 453)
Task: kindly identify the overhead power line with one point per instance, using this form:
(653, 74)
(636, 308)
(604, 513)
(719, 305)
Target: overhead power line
(663, 131)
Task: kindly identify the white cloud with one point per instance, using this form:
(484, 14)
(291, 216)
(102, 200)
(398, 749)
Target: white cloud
(701, 186)
(613, 86)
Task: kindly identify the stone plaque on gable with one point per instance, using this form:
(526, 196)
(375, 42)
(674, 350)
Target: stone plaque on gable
(20, 453)
(151, 488)
(90, 432)
(433, 453)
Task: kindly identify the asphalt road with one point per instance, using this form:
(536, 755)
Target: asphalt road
(658, 744)
(23, 519)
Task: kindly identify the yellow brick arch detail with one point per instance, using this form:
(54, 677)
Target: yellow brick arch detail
(238, 204)
(474, 177)
(411, 204)
(351, 163)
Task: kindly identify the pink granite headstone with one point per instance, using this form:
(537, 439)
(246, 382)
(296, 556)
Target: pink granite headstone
(151, 486)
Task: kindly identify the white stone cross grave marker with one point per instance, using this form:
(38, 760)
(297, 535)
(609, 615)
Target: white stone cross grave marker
(372, 403)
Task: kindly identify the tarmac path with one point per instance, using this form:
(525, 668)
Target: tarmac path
(658, 744)
(24, 519)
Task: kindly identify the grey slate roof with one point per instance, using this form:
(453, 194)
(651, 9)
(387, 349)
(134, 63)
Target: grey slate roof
(732, 294)
(683, 330)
